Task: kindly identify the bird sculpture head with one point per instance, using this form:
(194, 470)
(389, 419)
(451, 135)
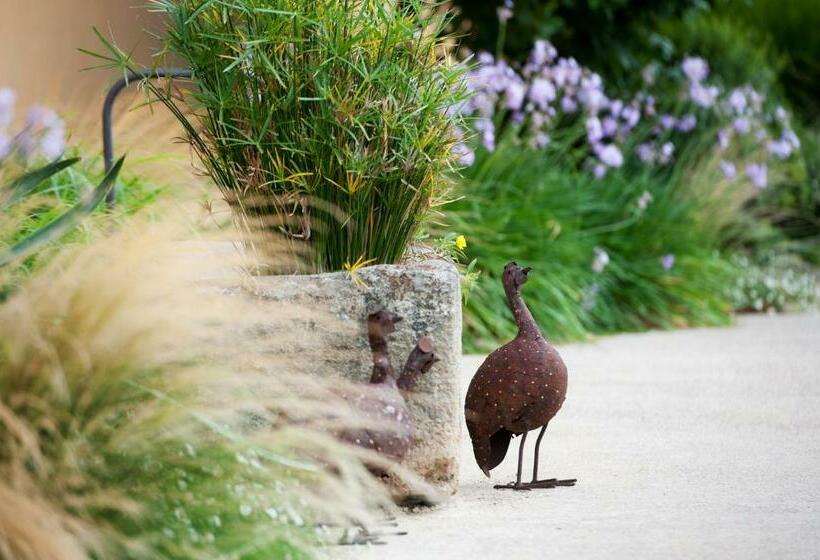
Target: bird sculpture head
(383, 322)
(514, 275)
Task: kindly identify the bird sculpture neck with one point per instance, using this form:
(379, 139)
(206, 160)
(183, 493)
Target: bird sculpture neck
(527, 327)
(383, 372)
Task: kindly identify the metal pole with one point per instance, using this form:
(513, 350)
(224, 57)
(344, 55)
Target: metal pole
(108, 107)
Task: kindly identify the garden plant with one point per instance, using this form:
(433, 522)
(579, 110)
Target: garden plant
(632, 205)
(324, 122)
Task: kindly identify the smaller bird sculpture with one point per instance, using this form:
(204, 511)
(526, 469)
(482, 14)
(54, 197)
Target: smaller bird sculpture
(381, 401)
(519, 387)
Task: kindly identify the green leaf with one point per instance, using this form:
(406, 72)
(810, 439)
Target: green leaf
(64, 223)
(25, 184)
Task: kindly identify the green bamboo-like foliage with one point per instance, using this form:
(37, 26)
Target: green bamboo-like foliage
(322, 120)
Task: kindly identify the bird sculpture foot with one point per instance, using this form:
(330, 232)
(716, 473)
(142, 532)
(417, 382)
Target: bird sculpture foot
(537, 484)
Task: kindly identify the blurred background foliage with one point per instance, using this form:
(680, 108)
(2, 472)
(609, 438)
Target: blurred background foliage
(764, 42)
(734, 248)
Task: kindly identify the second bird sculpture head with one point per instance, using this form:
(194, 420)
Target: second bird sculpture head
(515, 276)
(381, 324)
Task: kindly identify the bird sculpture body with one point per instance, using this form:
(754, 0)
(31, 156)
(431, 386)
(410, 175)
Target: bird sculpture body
(520, 387)
(390, 429)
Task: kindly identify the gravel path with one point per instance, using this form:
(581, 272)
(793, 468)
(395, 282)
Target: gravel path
(689, 444)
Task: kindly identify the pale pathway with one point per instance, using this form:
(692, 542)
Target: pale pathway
(689, 444)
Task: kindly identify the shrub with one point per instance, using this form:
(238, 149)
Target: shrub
(628, 252)
(637, 201)
(325, 121)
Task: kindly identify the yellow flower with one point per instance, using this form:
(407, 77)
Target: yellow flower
(461, 242)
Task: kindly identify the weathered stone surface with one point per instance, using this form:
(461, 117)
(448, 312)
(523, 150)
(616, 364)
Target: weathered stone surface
(427, 295)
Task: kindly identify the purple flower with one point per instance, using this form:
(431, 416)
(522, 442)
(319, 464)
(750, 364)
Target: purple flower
(487, 130)
(737, 101)
(695, 69)
(790, 137)
(609, 126)
(667, 151)
(687, 123)
(668, 261)
(514, 97)
(542, 53)
(542, 92)
(599, 170)
(44, 134)
(541, 140)
(668, 122)
(724, 138)
(780, 114)
(566, 72)
(538, 120)
(52, 144)
(591, 94)
(646, 152)
(485, 58)
(649, 107)
(7, 101)
(757, 174)
(610, 155)
(600, 260)
(505, 12)
(488, 140)
(755, 99)
(5, 146)
(728, 169)
(780, 148)
(703, 96)
(742, 125)
(645, 200)
(631, 116)
(466, 155)
(568, 104)
(42, 118)
(595, 131)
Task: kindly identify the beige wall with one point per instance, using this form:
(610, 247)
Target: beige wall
(39, 59)
(39, 41)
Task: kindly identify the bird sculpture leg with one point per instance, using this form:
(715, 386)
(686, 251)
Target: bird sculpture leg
(517, 484)
(549, 482)
(546, 483)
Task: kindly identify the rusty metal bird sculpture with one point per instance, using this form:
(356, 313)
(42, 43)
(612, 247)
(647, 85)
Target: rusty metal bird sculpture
(381, 401)
(519, 387)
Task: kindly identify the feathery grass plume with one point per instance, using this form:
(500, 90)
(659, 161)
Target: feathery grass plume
(325, 120)
(138, 419)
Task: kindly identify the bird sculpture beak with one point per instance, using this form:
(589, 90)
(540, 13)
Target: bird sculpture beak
(486, 472)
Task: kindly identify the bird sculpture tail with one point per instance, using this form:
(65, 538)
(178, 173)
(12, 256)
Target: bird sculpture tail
(489, 451)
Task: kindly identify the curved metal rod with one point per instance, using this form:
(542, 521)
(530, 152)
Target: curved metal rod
(108, 108)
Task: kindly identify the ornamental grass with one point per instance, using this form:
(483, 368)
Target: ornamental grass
(324, 120)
